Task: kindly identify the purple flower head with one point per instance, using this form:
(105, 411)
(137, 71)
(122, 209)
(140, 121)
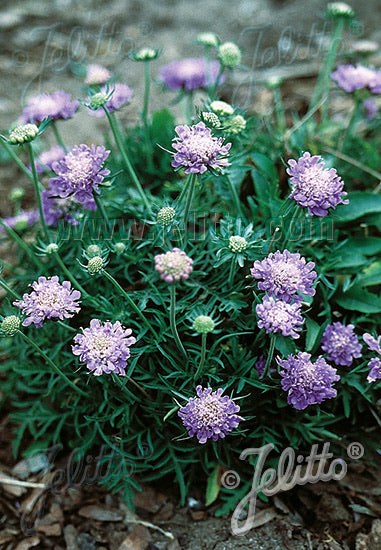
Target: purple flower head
(351, 78)
(284, 274)
(22, 220)
(56, 208)
(307, 383)
(80, 173)
(260, 365)
(56, 105)
(372, 343)
(375, 85)
(49, 300)
(374, 369)
(190, 74)
(46, 159)
(315, 187)
(278, 316)
(197, 150)
(121, 94)
(209, 415)
(341, 344)
(371, 108)
(105, 348)
(96, 74)
(173, 265)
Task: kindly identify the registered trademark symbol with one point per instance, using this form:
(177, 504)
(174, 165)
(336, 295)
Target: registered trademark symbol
(355, 450)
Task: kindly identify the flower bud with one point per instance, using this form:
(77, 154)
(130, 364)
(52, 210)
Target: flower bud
(52, 248)
(93, 250)
(145, 54)
(340, 9)
(22, 134)
(236, 125)
(99, 99)
(16, 194)
(10, 325)
(229, 54)
(165, 215)
(95, 265)
(203, 324)
(119, 248)
(222, 108)
(208, 39)
(237, 243)
(211, 119)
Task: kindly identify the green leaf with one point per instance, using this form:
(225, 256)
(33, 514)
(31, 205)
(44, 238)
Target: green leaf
(265, 165)
(212, 487)
(314, 333)
(371, 275)
(286, 346)
(360, 204)
(359, 299)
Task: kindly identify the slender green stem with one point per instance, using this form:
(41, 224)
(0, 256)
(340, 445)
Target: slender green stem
(67, 327)
(101, 208)
(188, 203)
(37, 186)
(216, 84)
(16, 159)
(270, 355)
(322, 83)
(231, 273)
(70, 276)
(58, 137)
(147, 138)
(202, 359)
(172, 319)
(128, 165)
(131, 303)
(349, 127)
(22, 244)
(184, 189)
(189, 106)
(234, 192)
(4, 285)
(51, 363)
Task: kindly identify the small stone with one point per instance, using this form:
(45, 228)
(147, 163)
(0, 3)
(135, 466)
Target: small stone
(138, 539)
(30, 542)
(100, 513)
(71, 537)
(199, 515)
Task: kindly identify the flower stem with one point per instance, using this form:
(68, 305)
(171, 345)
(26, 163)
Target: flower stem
(147, 139)
(101, 209)
(22, 245)
(51, 363)
(192, 182)
(58, 137)
(235, 197)
(349, 127)
(172, 319)
(131, 303)
(125, 158)
(270, 355)
(70, 276)
(16, 159)
(37, 186)
(189, 106)
(202, 359)
(231, 273)
(4, 285)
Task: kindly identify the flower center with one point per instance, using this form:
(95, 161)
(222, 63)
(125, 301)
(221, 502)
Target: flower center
(201, 146)
(101, 345)
(80, 168)
(209, 412)
(286, 275)
(50, 299)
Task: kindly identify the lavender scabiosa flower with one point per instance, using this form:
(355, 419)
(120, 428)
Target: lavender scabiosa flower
(315, 187)
(374, 369)
(56, 105)
(197, 150)
(96, 74)
(22, 220)
(341, 344)
(278, 316)
(79, 174)
(173, 265)
(120, 95)
(284, 274)
(46, 159)
(56, 208)
(372, 343)
(190, 74)
(307, 383)
(351, 78)
(49, 300)
(209, 415)
(104, 347)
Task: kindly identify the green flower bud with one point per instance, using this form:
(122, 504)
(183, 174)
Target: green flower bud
(99, 99)
(21, 224)
(222, 108)
(95, 265)
(22, 134)
(236, 124)
(340, 9)
(211, 119)
(229, 54)
(237, 243)
(93, 250)
(16, 194)
(51, 248)
(208, 39)
(10, 325)
(165, 215)
(145, 54)
(119, 248)
(203, 324)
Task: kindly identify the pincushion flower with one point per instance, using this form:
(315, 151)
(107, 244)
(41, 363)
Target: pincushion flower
(278, 316)
(48, 158)
(197, 150)
(307, 383)
(49, 300)
(375, 363)
(209, 415)
(284, 274)
(190, 74)
(120, 95)
(104, 348)
(22, 220)
(341, 344)
(56, 208)
(315, 187)
(56, 105)
(372, 343)
(173, 265)
(96, 74)
(79, 174)
(351, 78)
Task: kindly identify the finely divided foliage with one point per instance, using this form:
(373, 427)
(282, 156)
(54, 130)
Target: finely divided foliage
(200, 285)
